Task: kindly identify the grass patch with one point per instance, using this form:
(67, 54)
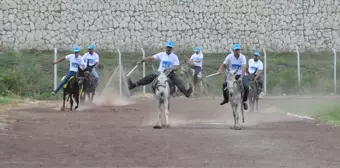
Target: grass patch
(329, 115)
(5, 100)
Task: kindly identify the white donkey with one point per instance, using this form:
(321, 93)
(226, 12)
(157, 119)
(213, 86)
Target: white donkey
(161, 88)
(235, 88)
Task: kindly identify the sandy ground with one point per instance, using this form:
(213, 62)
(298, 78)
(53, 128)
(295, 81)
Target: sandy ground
(39, 135)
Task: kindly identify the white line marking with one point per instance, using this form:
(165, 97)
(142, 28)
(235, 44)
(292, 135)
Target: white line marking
(304, 117)
(206, 123)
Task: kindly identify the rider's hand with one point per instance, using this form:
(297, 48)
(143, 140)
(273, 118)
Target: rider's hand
(139, 62)
(53, 63)
(219, 71)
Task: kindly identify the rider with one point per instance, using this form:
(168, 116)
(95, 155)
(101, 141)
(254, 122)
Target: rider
(235, 60)
(168, 60)
(76, 60)
(92, 59)
(255, 63)
(196, 59)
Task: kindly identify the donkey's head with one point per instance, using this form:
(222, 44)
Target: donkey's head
(232, 83)
(161, 84)
(251, 76)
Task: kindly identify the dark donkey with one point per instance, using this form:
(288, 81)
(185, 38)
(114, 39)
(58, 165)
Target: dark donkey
(253, 93)
(71, 90)
(86, 83)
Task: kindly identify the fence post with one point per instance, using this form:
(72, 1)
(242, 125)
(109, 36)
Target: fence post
(143, 68)
(334, 77)
(55, 69)
(120, 71)
(265, 71)
(298, 65)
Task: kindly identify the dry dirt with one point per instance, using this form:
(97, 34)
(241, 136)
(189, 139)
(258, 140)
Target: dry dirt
(122, 136)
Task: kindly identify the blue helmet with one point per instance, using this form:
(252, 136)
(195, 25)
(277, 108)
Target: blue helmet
(257, 53)
(196, 49)
(169, 44)
(236, 46)
(91, 46)
(76, 49)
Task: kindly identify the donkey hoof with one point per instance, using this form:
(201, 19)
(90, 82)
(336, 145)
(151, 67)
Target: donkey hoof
(167, 126)
(233, 127)
(62, 108)
(243, 121)
(157, 127)
(75, 108)
(238, 128)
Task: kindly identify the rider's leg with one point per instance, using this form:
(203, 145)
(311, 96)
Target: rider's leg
(173, 77)
(172, 87)
(197, 70)
(144, 81)
(225, 91)
(63, 82)
(260, 87)
(246, 91)
(94, 73)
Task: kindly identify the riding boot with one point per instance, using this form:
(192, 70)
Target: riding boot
(225, 96)
(245, 98)
(131, 84)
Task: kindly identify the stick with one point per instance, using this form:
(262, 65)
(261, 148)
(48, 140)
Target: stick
(214, 74)
(132, 70)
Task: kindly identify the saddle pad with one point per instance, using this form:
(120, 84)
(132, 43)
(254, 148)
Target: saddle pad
(65, 86)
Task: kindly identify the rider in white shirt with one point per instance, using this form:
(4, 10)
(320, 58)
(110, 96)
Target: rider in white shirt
(197, 60)
(76, 61)
(92, 61)
(235, 61)
(256, 64)
(168, 60)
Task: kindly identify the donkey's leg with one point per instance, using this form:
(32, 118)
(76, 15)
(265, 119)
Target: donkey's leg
(64, 98)
(237, 125)
(257, 103)
(71, 102)
(159, 123)
(166, 111)
(234, 108)
(242, 111)
(92, 96)
(76, 98)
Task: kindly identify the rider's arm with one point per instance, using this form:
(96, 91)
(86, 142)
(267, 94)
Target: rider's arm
(191, 58)
(244, 66)
(200, 58)
(149, 58)
(223, 66)
(176, 63)
(97, 61)
(247, 69)
(82, 63)
(259, 71)
(60, 59)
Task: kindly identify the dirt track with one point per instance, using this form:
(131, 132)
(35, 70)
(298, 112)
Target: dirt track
(199, 137)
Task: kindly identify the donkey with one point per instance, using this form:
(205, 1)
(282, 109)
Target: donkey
(188, 74)
(161, 87)
(253, 94)
(235, 88)
(71, 89)
(88, 88)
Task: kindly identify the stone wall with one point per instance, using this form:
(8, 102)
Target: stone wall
(131, 24)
